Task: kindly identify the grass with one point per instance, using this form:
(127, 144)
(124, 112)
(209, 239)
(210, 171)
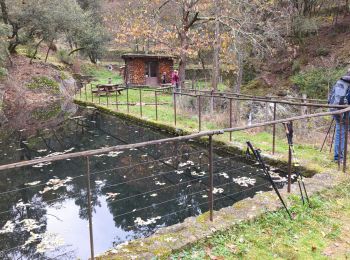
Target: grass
(307, 152)
(315, 233)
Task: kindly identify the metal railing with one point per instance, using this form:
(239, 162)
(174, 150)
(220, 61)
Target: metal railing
(211, 162)
(200, 95)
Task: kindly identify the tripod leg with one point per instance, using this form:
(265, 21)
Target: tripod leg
(301, 192)
(329, 129)
(330, 149)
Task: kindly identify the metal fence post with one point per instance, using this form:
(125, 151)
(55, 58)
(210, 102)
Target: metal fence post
(156, 104)
(174, 108)
(231, 119)
(140, 102)
(346, 140)
(199, 113)
(274, 129)
(89, 207)
(116, 100)
(211, 178)
(127, 99)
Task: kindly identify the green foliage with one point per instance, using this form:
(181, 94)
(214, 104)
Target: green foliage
(304, 26)
(296, 66)
(43, 82)
(62, 56)
(322, 51)
(3, 72)
(274, 236)
(315, 82)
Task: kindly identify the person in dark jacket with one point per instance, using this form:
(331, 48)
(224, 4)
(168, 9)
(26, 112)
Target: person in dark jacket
(340, 138)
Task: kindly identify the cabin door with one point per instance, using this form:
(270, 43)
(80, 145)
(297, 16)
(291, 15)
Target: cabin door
(152, 73)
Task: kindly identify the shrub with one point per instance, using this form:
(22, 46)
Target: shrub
(315, 82)
(43, 83)
(296, 66)
(304, 26)
(63, 57)
(3, 72)
(322, 52)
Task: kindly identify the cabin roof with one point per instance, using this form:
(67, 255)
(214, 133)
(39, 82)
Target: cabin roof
(147, 56)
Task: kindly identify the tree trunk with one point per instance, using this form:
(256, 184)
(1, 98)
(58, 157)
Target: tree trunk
(36, 51)
(183, 59)
(4, 11)
(216, 65)
(239, 79)
(48, 50)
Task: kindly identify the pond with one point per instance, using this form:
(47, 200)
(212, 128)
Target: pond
(43, 208)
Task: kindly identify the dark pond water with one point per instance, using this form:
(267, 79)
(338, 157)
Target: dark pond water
(43, 208)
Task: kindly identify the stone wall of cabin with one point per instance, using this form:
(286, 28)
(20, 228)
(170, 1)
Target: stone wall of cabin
(136, 71)
(165, 66)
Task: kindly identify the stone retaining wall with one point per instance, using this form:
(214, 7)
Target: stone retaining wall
(173, 238)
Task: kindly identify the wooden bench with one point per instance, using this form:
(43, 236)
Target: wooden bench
(104, 89)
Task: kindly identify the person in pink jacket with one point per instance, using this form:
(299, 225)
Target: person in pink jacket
(175, 80)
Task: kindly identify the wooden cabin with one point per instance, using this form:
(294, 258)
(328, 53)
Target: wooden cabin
(147, 69)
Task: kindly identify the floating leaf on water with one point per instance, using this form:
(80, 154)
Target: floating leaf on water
(179, 172)
(41, 150)
(111, 195)
(200, 174)
(99, 182)
(204, 196)
(160, 183)
(218, 190)
(224, 174)
(32, 183)
(40, 165)
(151, 167)
(114, 154)
(22, 205)
(244, 181)
(99, 155)
(149, 221)
(154, 195)
(186, 163)
(169, 161)
(8, 227)
(69, 150)
(189, 185)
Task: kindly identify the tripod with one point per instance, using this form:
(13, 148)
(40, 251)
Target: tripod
(328, 132)
(289, 134)
(257, 155)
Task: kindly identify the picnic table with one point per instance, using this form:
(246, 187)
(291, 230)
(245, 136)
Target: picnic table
(104, 89)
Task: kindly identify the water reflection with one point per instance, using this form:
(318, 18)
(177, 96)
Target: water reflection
(43, 209)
